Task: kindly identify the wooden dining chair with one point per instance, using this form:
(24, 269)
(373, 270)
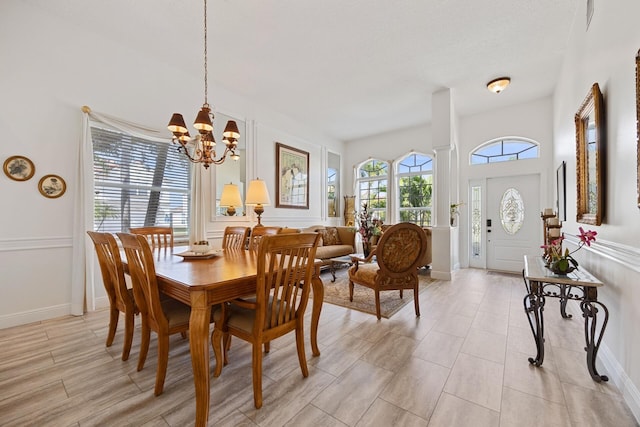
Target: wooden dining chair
(120, 298)
(258, 232)
(398, 255)
(165, 316)
(157, 236)
(284, 270)
(235, 237)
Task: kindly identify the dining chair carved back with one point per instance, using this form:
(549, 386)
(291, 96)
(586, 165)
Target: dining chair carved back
(235, 237)
(285, 264)
(165, 316)
(120, 298)
(158, 237)
(258, 232)
(399, 253)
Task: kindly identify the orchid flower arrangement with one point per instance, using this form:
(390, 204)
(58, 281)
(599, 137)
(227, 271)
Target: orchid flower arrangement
(368, 226)
(562, 262)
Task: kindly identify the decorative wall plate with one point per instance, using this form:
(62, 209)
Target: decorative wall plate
(52, 186)
(19, 168)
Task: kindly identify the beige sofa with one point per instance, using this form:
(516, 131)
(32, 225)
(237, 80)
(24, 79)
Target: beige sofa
(346, 241)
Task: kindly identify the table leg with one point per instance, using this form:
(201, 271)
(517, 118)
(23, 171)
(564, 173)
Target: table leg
(199, 346)
(318, 297)
(332, 270)
(534, 308)
(590, 313)
(563, 302)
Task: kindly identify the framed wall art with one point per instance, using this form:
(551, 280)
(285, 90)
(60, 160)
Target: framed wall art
(19, 168)
(292, 177)
(52, 186)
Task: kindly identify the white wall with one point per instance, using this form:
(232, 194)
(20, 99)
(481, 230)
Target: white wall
(532, 121)
(48, 70)
(606, 54)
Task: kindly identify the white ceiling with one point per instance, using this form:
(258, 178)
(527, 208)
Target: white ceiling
(349, 68)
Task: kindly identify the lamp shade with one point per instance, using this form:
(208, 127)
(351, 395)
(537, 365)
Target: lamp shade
(203, 120)
(231, 130)
(230, 196)
(176, 124)
(257, 193)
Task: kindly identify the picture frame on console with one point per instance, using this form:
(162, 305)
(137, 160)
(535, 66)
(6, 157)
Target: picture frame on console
(292, 177)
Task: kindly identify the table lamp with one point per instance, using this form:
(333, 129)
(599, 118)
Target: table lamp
(230, 198)
(257, 196)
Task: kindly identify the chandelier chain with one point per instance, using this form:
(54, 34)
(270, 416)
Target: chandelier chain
(206, 87)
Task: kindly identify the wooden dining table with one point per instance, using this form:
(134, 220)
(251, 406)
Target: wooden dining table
(202, 283)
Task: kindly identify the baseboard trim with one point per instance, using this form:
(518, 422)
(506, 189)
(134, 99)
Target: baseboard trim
(32, 316)
(619, 377)
(440, 275)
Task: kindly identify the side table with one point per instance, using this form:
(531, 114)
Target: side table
(578, 285)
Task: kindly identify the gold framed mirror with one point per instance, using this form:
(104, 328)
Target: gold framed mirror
(638, 120)
(590, 156)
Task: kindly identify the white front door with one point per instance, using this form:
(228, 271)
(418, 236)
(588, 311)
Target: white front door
(513, 225)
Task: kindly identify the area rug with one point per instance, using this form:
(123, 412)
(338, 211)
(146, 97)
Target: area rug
(364, 298)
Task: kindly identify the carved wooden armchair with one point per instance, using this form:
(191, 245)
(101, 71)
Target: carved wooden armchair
(399, 253)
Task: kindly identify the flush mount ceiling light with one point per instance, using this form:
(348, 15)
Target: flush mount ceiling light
(499, 84)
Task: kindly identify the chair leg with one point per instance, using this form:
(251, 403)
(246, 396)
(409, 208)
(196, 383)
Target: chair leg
(128, 334)
(378, 304)
(226, 342)
(257, 374)
(114, 314)
(218, 350)
(183, 334)
(350, 291)
(401, 293)
(144, 343)
(163, 361)
(416, 301)
(267, 347)
(302, 358)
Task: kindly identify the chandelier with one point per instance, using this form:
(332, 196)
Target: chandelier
(201, 148)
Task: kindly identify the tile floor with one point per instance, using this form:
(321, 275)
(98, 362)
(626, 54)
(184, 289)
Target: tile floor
(463, 363)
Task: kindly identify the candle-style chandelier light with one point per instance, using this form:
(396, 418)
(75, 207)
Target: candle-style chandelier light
(201, 148)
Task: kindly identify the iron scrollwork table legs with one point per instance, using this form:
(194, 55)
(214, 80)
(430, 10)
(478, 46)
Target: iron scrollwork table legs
(593, 334)
(534, 303)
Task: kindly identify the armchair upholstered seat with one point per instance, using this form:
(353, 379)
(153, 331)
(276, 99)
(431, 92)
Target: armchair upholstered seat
(399, 253)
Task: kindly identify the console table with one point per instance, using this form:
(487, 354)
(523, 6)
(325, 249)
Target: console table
(578, 285)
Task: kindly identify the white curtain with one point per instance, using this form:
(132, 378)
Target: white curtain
(82, 286)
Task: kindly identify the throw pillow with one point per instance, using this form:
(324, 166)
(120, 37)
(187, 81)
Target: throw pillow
(330, 237)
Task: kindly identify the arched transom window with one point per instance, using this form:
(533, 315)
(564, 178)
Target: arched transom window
(415, 188)
(505, 150)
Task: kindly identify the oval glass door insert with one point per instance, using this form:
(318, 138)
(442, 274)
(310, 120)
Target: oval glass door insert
(512, 211)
